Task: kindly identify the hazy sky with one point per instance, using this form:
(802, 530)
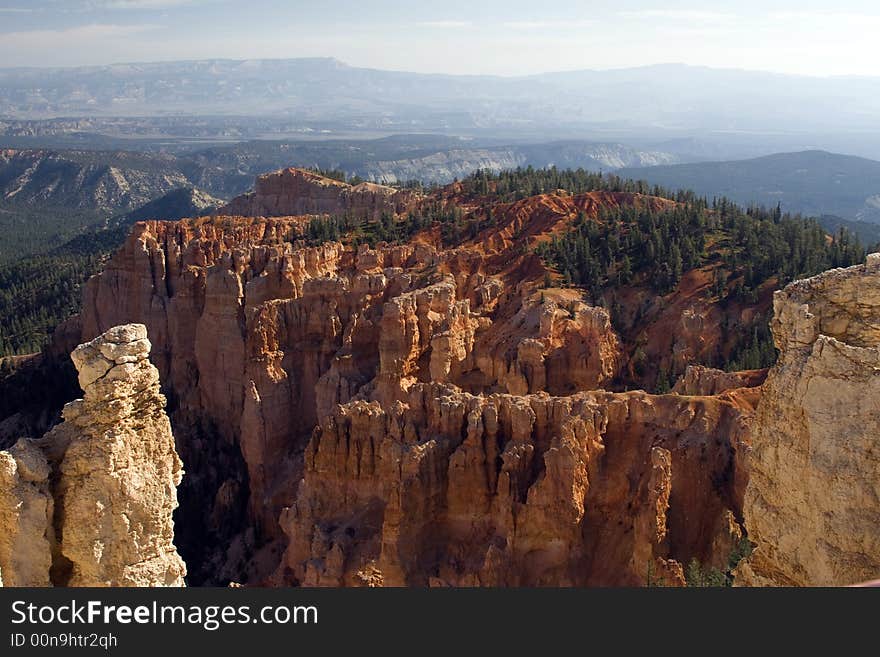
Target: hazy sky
(507, 37)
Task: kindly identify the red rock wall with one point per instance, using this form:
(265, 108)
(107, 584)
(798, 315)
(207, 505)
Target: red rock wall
(445, 488)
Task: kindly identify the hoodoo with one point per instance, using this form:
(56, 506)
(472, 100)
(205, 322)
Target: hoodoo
(91, 502)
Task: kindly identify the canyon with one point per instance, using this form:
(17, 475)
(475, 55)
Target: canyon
(427, 413)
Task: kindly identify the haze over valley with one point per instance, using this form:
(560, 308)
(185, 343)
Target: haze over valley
(693, 112)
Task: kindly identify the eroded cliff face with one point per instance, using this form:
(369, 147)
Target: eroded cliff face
(812, 506)
(442, 487)
(418, 414)
(258, 339)
(91, 502)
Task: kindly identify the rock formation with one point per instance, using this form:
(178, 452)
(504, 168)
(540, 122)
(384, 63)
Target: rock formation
(299, 192)
(436, 412)
(25, 516)
(272, 350)
(442, 487)
(90, 503)
(812, 506)
(699, 380)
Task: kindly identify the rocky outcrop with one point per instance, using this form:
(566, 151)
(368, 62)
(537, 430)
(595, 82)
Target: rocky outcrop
(812, 507)
(118, 470)
(91, 502)
(257, 339)
(554, 343)
(290, 192)
(25, 516)
(699, 380)
(436, 412)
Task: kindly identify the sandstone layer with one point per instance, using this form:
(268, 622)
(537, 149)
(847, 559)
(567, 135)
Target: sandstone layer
(812, 506)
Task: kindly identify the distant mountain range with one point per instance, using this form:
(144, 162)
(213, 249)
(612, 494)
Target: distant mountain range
(739, 112)
(813, 183)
